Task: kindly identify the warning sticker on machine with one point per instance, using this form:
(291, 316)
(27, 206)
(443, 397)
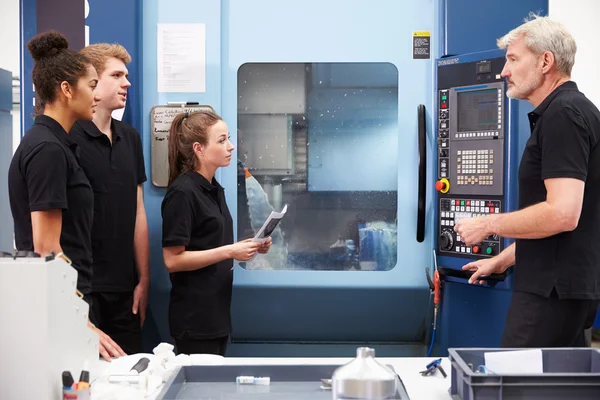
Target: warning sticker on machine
(421, 45)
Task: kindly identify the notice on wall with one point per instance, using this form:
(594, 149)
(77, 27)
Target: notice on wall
(181, 57)
(421, 45)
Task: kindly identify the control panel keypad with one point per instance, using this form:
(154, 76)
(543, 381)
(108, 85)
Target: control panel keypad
(475, 167)
(453, 210)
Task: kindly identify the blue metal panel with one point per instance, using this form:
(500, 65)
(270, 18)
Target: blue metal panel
(5, 90)
(28, 24)
(301, 306)
(169, 11)
(474, 25)
(470, 316)
(110, 21)
(117, 21)
(6, 148)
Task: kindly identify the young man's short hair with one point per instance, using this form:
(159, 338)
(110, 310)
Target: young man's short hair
(98, 53)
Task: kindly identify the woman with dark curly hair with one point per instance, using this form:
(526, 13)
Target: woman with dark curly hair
(51, 199)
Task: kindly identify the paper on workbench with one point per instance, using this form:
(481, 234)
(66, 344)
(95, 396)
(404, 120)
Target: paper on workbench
(514, 362)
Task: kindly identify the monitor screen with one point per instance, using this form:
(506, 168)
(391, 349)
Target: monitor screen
(477, 110)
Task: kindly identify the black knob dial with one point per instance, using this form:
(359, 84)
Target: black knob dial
(446, 240)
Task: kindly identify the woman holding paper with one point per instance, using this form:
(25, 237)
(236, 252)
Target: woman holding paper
(198, 246)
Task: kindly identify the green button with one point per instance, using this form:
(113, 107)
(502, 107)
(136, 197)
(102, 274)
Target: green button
(489, 250)
(443, 97)
(462, 202)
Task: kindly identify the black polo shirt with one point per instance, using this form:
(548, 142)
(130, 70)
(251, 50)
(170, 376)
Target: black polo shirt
(565, 131)
(196, 216)
(44, 174)
(115, 170)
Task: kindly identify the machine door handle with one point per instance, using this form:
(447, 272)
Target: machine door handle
(421, 118)
(459, 273)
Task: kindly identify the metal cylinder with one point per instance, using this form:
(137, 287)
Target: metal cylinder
(364, 378)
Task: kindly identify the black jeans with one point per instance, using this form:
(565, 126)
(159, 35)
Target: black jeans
(111, 313)
(537, 321)
(216, 346)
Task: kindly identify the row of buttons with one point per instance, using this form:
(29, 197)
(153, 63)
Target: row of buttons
(476, 249)
(467, 249)
(471, 152)
(499, 107)
(479, 170)
(473, 178)
(475, 203)
(486, 210)
(471, 159)
(443, 133)
(481, 178)
(470, 182)
(476, 134)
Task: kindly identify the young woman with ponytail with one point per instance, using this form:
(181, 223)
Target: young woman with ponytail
(198, 247)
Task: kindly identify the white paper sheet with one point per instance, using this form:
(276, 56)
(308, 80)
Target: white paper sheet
(515, 362)
(266, 229)
(181, 57)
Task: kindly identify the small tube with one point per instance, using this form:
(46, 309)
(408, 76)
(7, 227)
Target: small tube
(127, 378)
(251, 380)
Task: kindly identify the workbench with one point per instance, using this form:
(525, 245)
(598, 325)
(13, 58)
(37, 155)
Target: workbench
(433, 387)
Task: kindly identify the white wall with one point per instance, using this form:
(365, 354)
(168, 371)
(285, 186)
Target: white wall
(581, 18)
(10, 59)
(9, 35)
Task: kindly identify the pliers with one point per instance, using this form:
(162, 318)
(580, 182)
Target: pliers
(432, 367)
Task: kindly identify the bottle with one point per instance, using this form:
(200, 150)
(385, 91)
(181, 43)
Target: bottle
(364, 378)
(259, 209)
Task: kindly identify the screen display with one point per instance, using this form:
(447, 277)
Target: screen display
(477, 110)
(484, 67)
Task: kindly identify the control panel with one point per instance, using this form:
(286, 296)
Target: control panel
(471, 154)
(453, 210)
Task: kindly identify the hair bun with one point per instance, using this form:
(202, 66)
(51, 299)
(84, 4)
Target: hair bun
(47, 44)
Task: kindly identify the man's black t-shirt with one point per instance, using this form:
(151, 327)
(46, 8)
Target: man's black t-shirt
(115, 169)
(565, 131)
(44, 174)
(195, 215)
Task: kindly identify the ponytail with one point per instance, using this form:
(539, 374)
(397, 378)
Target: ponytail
(175, 156)
(186, 129)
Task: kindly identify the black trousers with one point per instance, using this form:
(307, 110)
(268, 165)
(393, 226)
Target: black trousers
(111, 313)
(216, 346)
(537, 321)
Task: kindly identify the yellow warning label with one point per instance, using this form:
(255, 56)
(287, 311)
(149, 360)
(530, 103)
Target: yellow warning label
(421, 33)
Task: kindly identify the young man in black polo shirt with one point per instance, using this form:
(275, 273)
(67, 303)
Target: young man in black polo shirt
(557, 226)
(112, 158)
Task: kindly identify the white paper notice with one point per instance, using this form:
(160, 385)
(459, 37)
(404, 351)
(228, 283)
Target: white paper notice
(181, 54)
(514, 362)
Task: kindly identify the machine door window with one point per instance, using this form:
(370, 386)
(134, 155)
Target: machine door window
(323, 139)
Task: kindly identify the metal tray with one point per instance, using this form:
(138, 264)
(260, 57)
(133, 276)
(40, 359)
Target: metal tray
(290, 382)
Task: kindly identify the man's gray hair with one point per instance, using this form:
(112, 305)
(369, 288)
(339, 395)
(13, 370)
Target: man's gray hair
(545, 34)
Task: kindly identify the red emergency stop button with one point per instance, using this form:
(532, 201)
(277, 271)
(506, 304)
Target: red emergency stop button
(443, 185)
(476, 249)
